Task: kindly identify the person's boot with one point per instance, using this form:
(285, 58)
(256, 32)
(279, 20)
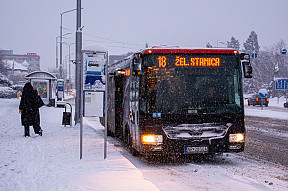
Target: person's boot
(40, 132)
(27, 133)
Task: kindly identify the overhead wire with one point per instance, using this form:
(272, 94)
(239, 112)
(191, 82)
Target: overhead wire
(107, 40)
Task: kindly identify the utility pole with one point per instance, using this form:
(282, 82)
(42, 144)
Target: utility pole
(79, 75)
(12, 72)
(60, 67)
(56, 52)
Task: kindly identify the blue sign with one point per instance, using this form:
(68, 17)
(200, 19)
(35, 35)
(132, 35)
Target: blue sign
(284, 51)
(60, 86)
(263, 93)
(281, 84)
(254, 55)
(94, 63)
(94, 82)
(156, 114)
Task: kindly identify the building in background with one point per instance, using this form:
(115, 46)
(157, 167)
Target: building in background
(32, 59)
(19, 65)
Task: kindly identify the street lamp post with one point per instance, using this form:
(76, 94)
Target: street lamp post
(69, 74)
(57, 47)
(61, 66)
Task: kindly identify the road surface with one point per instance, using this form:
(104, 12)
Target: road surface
(266, 150)
(267, 138)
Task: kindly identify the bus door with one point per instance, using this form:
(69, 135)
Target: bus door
(134, 105)
(118, 104)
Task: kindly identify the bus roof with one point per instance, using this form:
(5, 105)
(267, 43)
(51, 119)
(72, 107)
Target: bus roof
(170, 50)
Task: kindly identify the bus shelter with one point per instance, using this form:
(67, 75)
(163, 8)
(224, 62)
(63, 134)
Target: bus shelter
(42, 81)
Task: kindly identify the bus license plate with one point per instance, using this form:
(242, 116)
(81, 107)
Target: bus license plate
(196, 149)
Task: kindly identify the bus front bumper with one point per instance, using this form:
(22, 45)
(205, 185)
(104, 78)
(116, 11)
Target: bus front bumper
(182, 146)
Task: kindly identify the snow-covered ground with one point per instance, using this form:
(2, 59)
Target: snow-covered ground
(277, 102)
(52, 162)
(267, 112)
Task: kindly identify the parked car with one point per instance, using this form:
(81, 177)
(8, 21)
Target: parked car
(286, 104)
(257, 100)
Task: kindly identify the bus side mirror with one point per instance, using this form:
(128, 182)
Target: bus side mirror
(136, 65)
(245, 57)
(247, 69)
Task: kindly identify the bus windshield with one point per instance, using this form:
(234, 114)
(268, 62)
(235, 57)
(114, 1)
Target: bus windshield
(173, 83)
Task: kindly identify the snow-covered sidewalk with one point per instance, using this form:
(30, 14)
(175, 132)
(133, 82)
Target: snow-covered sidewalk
(52, 162)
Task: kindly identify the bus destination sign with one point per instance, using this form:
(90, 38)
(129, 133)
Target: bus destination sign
(188, 61)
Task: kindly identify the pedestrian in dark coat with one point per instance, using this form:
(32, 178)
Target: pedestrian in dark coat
(29, 109)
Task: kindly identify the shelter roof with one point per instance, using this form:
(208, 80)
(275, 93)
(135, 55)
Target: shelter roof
(41, 75)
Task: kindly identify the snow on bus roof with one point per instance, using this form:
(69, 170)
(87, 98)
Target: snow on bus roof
(176, 49)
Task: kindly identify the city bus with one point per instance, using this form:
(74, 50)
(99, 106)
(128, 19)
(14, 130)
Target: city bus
(179, 101)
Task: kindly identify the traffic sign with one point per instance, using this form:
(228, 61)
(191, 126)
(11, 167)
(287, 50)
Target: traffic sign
(284, 51)
(254, 55)
(281, 84)
(263, 93)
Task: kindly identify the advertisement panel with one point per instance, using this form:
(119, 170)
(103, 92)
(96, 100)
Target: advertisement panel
(41, 87)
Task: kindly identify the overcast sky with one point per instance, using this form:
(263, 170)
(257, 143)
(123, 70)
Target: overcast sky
(31, 26)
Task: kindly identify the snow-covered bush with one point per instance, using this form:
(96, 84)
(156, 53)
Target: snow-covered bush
(5, 90)
(4, 81)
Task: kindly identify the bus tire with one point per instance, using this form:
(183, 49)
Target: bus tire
(134, 152)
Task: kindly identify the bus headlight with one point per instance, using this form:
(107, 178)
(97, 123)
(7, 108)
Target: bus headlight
(152, 139)
(239, 137)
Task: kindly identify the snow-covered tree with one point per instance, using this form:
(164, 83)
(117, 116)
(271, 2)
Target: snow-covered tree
(269, 64)
(251, 44)
(4, 81)
(3, 68)
(233, 43)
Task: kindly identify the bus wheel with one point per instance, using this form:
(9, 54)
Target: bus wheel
(134, 152)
